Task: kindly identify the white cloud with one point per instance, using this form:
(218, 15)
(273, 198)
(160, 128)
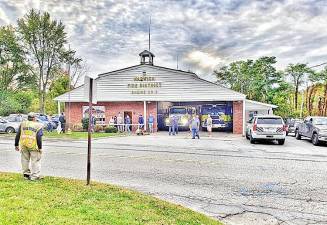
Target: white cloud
(110, 34)
(204, 59)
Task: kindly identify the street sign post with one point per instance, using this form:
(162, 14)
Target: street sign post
(90, 89)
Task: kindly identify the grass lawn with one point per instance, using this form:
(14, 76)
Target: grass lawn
(64, 201)
(78, 135)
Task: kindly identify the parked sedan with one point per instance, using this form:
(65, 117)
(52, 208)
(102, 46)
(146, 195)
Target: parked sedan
(313, 127)
(8, 127)
(268, 127)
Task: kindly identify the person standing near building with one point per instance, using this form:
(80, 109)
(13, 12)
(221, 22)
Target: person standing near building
(195, 127)
(172, 125)
(151, 122)
(209, 125)
(62, 121)
(176, 124)
(29, 142)
(120, 122)
(115, 122)
(197, 119)
(112, 122)
(141, 122)
(128, 124)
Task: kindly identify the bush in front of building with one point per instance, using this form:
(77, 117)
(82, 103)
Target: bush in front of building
(110, 129)
(85, 123)
(98, 128)
(78, 127)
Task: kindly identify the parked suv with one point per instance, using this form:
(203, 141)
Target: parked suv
(266, 127)
(314, 128)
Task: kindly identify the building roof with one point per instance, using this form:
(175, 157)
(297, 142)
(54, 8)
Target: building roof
(146, 53)
(254, 105)
(158, 83)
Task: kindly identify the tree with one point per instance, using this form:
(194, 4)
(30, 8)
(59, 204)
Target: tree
(322, 77)
(265, 79)
(12, 65)
(78, 70)
(257, 79)
(236, 75)
(311, 91)
(44, 41)
(57, 87)
(297, 74)
(15, 102)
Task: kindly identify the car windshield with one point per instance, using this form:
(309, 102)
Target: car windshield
(15, 119)
(178, 111)
(269, 121)
(320, 121)
(43, 118)
(212, 111)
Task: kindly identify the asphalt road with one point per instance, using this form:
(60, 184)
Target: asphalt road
(224, 177)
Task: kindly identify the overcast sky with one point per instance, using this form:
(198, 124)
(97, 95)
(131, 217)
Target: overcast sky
(203, 34)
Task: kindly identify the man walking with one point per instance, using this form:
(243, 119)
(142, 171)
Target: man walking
(151, 122)
(62, 121)
(29, 142)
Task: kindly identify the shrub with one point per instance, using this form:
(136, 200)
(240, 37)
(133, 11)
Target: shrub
(78, 127)
(110, 129)
(98, 128)
(85, 123)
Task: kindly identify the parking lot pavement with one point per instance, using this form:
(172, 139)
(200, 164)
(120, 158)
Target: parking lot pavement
(225, 176)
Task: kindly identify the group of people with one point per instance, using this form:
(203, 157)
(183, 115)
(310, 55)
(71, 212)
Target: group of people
(194, 125)
(124, 124)
(61, 124)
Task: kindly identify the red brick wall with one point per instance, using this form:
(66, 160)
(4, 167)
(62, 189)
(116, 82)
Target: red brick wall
(238, 117)
(112, 109)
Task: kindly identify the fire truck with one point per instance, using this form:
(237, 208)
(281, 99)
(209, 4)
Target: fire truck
(182, 113)
(221, 115)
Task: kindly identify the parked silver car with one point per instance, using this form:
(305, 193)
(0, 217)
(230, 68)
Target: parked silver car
(266, 127)
(8, 127)
(313, 127)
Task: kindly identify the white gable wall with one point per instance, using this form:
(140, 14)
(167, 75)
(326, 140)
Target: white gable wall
(175, 86)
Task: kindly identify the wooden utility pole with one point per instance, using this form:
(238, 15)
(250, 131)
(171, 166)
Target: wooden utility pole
(89, 137)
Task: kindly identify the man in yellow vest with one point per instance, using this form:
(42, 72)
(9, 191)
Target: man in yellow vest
(29, 142)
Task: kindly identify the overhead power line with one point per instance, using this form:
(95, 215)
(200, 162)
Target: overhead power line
(318, 65)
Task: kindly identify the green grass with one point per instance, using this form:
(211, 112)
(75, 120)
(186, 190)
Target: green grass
(64, 201)
(79, 135)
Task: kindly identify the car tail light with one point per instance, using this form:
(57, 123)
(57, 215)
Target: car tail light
(254, 127)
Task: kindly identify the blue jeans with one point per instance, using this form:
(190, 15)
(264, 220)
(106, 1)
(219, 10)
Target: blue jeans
(195, 132)
(128, 128)
(172, 130)
(151, 127)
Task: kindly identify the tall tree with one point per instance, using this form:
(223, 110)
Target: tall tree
(322, 77)
(44, 41)
(237, 75)
(297, 73)
(257, 79)
(12, 64)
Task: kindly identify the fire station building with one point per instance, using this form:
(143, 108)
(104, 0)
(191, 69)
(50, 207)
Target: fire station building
(146, 89)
